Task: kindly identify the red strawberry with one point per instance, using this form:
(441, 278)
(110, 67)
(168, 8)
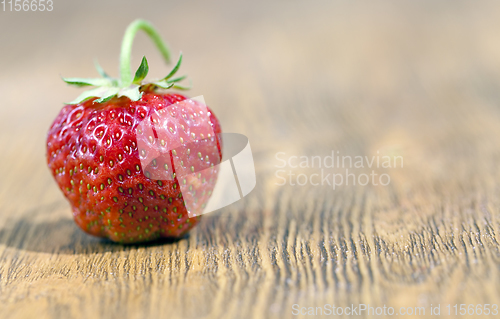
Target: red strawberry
(135, 163)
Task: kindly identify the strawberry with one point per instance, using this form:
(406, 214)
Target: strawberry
(135, 161)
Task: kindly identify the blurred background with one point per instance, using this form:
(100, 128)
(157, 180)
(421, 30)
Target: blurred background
(420, 79)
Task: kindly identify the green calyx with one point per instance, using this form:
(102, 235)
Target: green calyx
(107, 87)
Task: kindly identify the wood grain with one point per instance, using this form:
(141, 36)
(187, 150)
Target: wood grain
(416, 80)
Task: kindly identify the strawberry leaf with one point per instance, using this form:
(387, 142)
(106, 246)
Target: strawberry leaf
(108, 87)
(100, 70)
(142, 71)
(163, 84)
(131, 92)
(88, 82)
(182, 87)
(108, 95)
(175, 69)
(180, 78)
(97, 92)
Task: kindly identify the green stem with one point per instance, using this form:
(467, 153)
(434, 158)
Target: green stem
(126, 51)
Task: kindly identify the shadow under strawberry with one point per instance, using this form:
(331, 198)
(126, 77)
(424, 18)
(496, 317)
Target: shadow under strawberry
(59, 234)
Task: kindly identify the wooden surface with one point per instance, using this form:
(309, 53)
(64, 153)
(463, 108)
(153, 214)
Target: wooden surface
(417, 80)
